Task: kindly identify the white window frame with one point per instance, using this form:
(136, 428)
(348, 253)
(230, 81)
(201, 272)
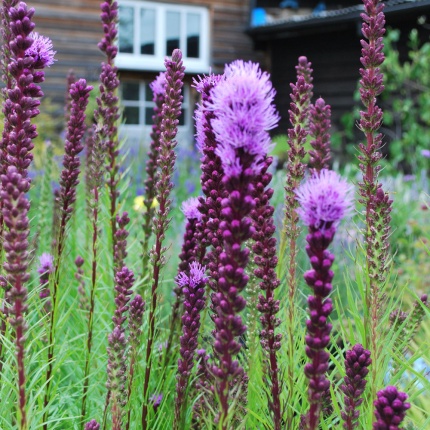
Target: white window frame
(138, 61)
(142, 104)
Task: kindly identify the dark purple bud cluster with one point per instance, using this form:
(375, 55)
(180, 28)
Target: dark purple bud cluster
(79, 93)
(357, 362)
(92, 425)
(108, 102)
(265, 259)
(211, 177)
(158, 87)
(121, 235)
(169, 126)
(193, 289)
(15, 206)
(390, 409)
(21, 103)
(124, 280)
(319, 129)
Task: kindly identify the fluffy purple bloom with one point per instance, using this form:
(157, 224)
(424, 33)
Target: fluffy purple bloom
(193, 288)
(244, 113)
(425, 153)
(324, 199)
(390, 409)
(158, 85)
(41, 51)
(46, 262)
(190, 208)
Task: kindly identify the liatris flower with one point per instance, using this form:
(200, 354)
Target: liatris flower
(121, 240)
(211, 177)
(108, 103)
(266, 260)
(124, 280)
(15, 213)
(137, 307)
(117, 375)
(244, 108)
(92, 425)
(324, 200)
(193, 289)
(301, 95)
(45, 269)
(79, 276)
(158, 87)
(166, 162)
(376, 201)
(417, 314)
(71, 79)
(319, 129)
(22, 97)
(186, 257)
(356, 368)
(390, 409)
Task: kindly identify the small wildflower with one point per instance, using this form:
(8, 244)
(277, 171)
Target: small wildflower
(156, 399)
(158, 86)
(190, 208)
(425, 153)
(46, 261)
(324, 199)
(42, 51)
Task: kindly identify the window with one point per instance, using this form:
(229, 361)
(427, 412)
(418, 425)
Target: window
(148, 32)
(138, 105)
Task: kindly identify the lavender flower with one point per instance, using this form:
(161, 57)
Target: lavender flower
(301, 94)
(193, 288)
(319, 128)
(108, 103)
(121, 240)
(158, 87)
(244, 112)
(324, 200)
(41, 51)
(137, 307)
(187, 256)
(356, 367)
(15, 212)
(45, 269)
(170, 114)
(390, 409)
(92, 425)
(266, 260)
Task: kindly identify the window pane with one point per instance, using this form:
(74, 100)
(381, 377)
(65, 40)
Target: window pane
(193, 35)
(126, 29)
(148, 93)
(173, 31)
(130, 90)
(182, 117)
(131, 115)
(149, 111)
(147, 31)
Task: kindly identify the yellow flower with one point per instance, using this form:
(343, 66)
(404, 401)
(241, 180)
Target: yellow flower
(139, 204)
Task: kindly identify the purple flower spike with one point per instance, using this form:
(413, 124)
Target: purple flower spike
(390, 409)
(319, 127)
(243, 113)
(46, 262)
(356, 367)
(193, 287)
(92, 425)
(158, 85)
(243, 103)
(324, 199)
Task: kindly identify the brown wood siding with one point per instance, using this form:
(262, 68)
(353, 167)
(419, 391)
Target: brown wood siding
(75, 29)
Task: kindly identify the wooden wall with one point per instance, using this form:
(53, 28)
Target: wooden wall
(75, 29)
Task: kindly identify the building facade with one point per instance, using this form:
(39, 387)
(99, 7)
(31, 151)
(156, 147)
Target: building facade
(210, 33)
